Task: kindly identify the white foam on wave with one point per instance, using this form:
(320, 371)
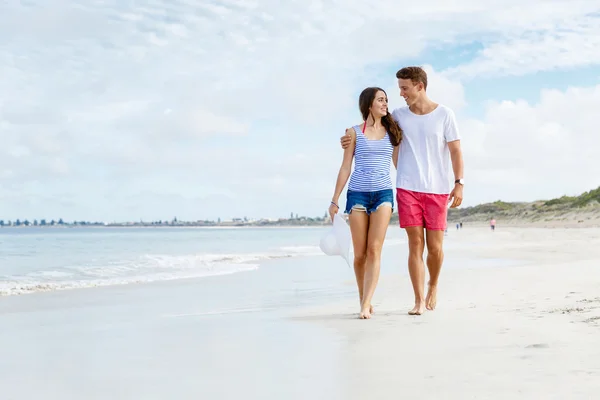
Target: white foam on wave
(144, 269)
(22, 285)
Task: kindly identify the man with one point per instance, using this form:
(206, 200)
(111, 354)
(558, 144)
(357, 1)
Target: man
(423, 189)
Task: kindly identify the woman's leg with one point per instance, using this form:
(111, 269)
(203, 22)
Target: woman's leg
(378, 224)
(359, 226)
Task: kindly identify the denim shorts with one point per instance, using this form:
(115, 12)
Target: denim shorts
(369, 201)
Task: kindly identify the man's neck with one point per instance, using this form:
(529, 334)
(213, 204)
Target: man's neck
(423, 106)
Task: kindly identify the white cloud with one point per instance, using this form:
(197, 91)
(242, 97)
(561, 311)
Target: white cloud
(522, 151)
(103, 100)
(559, 35)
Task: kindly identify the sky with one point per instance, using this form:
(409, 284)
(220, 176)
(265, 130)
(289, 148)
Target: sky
(133, 110)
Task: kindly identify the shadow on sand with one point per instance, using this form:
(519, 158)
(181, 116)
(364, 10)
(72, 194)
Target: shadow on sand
(377, 315)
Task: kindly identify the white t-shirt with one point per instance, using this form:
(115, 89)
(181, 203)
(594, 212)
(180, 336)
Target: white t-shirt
(424, 158)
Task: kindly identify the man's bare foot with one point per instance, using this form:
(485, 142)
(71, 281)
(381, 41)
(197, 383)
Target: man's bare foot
(431, 299)
(365, 313)
(418, 309)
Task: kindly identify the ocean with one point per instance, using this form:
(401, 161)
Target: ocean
(37, 259)
(47, 259)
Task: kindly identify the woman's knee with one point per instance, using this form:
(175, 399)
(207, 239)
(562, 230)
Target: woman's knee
(360, 256)
(374, 249)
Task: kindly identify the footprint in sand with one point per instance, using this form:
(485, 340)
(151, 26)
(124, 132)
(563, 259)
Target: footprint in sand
(538, 346)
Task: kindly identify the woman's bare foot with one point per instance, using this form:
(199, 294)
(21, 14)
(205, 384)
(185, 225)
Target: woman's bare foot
(418, 309)
(365, 313)
(371, 309)
(431, 299)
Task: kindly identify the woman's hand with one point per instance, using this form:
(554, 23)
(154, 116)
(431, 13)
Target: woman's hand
(333, 209)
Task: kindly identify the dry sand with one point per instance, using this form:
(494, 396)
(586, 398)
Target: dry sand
(530, 331)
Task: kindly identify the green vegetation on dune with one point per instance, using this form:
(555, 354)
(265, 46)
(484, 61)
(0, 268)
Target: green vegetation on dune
(573, 202)
(495, 208)
(560, 200)
(593, 196)
(558, 207)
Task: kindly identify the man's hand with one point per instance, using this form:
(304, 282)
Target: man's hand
(456, 195)
(345, 140)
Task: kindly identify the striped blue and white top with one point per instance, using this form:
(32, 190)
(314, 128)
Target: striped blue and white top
(371, 163)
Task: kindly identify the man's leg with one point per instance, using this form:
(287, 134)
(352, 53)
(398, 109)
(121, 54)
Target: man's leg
(436, 211)
(435, 258)
(411, 218)
(416, 269)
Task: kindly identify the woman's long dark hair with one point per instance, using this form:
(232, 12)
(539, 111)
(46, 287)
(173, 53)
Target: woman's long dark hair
(365, 101)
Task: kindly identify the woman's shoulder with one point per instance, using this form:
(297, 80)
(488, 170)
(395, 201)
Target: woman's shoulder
(353, 129)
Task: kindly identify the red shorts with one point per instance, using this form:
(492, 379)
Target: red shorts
(422, 209)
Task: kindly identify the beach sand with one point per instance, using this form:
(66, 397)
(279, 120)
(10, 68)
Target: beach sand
(518, 317)
(529, 331)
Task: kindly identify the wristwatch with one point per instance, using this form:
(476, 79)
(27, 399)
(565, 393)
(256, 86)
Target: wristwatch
(461, 181)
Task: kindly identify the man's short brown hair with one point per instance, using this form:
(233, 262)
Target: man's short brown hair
(415, 74)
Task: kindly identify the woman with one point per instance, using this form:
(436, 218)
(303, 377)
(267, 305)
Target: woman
(370, 197)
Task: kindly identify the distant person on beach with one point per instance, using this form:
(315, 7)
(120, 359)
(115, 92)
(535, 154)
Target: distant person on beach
(430, 142)
(373, 144)
(493, 224)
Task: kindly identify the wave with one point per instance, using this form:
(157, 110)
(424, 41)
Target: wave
(144, 269)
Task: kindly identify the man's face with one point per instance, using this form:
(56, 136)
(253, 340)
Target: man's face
(410, 91)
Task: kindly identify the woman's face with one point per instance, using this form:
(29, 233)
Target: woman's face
(379, 108)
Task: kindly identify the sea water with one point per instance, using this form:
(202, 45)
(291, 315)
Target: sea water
(35, 259)
(44, 259)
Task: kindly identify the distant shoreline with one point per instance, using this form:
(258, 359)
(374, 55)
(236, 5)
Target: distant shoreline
(163, 226)
(513, 223)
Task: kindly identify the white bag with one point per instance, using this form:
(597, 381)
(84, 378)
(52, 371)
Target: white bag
(337, 241)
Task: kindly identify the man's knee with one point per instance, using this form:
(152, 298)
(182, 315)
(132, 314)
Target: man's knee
(435, 249)
(416, 252)
(416, 244)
